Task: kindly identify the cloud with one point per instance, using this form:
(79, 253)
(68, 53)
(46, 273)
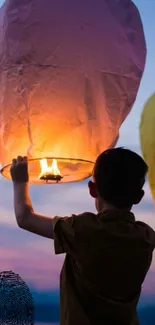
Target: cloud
(1, 2)
(22, 253)
(149, 283)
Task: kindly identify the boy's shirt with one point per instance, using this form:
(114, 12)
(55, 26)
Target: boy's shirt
(107, 258)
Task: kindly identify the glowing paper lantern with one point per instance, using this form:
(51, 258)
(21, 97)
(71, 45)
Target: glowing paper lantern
(70, 72)
(147, 138)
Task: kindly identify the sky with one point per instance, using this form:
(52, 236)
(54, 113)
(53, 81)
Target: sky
(32, 256)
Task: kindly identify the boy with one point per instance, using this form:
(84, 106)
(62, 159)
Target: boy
(107, 254)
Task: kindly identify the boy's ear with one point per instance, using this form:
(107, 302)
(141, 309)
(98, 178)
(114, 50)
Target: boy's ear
(92, 189)
(139, 197)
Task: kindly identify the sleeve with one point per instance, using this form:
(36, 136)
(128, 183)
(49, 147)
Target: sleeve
(64, 234)
(149, 233)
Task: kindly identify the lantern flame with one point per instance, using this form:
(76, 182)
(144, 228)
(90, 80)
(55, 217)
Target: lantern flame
(49, 172)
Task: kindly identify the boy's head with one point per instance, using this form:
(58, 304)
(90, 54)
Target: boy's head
(118, 178)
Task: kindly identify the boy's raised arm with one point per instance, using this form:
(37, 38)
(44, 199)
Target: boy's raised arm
(25, 215)
(62, 230)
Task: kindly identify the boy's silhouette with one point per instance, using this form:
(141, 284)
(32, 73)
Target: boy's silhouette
(109, 253)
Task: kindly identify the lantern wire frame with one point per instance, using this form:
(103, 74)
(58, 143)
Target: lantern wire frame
(71, 169)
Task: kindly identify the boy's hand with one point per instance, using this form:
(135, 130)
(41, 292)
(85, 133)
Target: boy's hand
(19, 170)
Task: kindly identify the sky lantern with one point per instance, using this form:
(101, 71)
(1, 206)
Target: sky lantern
(147, 138)
(69, 75)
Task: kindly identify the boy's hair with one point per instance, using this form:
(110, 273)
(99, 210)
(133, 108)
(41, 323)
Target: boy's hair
(120, 175)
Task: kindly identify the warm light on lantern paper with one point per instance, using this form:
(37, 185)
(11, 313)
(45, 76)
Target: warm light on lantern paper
(69, 77)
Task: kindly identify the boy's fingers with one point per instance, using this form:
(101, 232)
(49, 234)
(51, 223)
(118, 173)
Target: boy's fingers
(19, 159)
(25, 160)
(14, 161)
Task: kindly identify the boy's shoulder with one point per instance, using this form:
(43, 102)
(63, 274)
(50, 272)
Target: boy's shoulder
(85, 220)
(145, 225)
(85, 217)
(92, 221)
(149, 231)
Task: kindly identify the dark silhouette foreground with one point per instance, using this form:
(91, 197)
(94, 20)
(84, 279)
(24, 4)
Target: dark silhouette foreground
(108, 254)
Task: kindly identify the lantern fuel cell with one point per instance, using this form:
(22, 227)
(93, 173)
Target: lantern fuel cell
(49, 173)
(69, 77)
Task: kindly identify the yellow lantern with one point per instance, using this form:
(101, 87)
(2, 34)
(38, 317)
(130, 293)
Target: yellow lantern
(147, 138)
(70, 73)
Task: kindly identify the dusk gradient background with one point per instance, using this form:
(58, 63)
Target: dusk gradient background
(32, 256)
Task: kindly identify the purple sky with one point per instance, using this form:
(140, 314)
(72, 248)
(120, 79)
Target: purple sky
(33, 257)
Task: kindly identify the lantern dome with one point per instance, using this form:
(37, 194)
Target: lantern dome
(147, 139)
(70, 73)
